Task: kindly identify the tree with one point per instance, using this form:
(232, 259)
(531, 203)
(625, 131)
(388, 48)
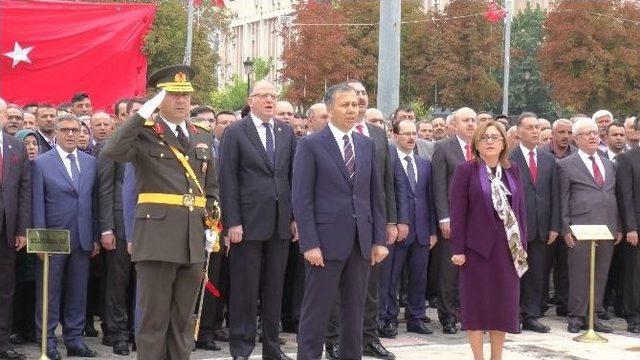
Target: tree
(234, 96)
(590, 55)
(316, 56)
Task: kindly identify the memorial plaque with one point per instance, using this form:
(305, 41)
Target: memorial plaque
(52, 241)
(591, 232)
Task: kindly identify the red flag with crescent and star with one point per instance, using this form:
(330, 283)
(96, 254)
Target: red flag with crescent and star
(50, 50)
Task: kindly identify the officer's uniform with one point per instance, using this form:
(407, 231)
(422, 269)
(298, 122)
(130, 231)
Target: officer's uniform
(169, 231)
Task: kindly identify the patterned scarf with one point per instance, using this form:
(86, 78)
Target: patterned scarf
(501, 205)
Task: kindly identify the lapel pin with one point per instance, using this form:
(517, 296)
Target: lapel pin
(10, 147)
(279, 129)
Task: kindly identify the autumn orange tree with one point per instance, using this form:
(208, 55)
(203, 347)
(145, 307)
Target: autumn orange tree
(590, 56)
(316, 55)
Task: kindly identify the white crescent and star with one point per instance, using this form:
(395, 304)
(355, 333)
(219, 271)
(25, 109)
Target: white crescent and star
(19, 54)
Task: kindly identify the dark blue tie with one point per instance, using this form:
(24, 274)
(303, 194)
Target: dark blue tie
(411, 173)
(271, 153)
(75, 173)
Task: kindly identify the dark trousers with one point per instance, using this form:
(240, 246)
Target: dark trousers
(293, 287)
(95, 288)
(68, 277)
(212, 307)
(247, 285)
(613, 292)
(324, 286)
(24, 308)
(166, 299)
(370, 318)
(533, 282)
(557, 261)
(631, 293)
(7, 284)
(117, 282)
(416, 259)
(447, 282)
(579, 265)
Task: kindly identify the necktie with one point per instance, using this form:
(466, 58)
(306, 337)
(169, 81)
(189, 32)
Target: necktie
(468, 155)
(271, 153)
(75, 173)
(533, 167)
(182, 138)
(359, 128)
(349, 159)
(411, 173)
(597, 175)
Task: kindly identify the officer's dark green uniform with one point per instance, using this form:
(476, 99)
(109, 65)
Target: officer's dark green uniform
(169, 234)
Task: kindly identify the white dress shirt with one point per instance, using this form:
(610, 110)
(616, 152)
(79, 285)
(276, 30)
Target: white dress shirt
(65, 160)
(463, 145)
(611, 155)
(262, 130)
(525, 153)
(587, 162)
(338, 134)
(174, 127)
(404, 162)
(365, 130)
(51, 142)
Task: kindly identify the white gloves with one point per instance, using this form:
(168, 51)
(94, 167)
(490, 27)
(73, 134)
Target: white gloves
(150, 106)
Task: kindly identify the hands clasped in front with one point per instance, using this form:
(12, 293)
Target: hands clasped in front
(314, 256)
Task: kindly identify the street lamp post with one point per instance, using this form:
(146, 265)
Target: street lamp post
(248, 67)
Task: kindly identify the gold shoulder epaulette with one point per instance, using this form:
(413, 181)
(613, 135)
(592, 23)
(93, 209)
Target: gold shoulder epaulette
(201, 126)
(149, 123)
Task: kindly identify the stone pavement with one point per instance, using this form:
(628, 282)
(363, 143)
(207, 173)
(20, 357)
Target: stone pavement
(556, 345)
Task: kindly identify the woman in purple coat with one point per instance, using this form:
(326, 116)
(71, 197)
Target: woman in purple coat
(488, 240)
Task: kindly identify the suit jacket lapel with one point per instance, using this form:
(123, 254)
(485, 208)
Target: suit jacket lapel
(334, 152)
(360, 153)
(7, 154)
(585, 171)
(279, 139)
(525, 168)
(485, 184)
(63, 169)
(252, 134)
(457, 150)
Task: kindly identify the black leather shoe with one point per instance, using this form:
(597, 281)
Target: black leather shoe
(535, 325)
(207, 344)
(81, 351)
(573, 328)
(17, 339)
(53, 354)
(420, 328)
(604, 316)
(449, 328)
(12, 355)
(332, 352)
(90, 330)
(134, 347)
(221, 335)
(280, 356)
(388, 331)
(426, 320)
(121, 348)
(375, 349)
(602, 327)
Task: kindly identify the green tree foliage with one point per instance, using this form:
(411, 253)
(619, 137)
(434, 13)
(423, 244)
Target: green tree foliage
(234, 96)
(590, 55)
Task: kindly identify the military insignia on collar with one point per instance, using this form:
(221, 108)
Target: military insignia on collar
(158, 129)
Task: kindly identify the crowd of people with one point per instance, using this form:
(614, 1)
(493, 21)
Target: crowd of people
(333, 221)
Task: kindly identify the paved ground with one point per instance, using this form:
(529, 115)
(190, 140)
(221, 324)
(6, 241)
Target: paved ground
(557, 345)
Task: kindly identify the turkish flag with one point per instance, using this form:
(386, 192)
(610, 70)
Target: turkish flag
(50, 50)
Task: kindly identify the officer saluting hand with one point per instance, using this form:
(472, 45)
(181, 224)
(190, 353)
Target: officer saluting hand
(177, 188)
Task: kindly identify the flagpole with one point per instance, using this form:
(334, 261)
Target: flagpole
(187, 50)
(507, 50)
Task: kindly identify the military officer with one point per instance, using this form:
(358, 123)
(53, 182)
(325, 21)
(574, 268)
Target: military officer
(178, 190)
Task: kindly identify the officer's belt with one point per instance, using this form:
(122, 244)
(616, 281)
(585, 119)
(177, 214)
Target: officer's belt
(186, 200)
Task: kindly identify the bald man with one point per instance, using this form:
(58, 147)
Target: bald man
(318, 117)
(374, 117)
(284, 112)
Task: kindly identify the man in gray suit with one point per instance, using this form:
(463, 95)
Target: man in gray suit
(423, 147)
(588, 197)
(449, 153)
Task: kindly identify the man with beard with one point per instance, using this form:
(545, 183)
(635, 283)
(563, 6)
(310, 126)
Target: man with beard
(46, 133)
(13, 122)
(81, 104)
(602, 118)
(439, 128)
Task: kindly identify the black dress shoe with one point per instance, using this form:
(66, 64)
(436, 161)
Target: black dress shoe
(535, 325)
(17, 339)
(12, 355)
(375, 349)
(121, 348)
(388, 331)
(602, 327)
(419, 328)
(449, 328)
(221, 335)
(134, 347)
(604, 316)
(332, 352)
(81, 351)
(280, 356)
(574, 328)
(426, 320)
(53, 354)
(207, 344)
(90, 330)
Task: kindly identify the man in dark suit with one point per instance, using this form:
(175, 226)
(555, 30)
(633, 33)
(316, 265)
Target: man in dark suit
(63, 197)
(540, 180)
(256, 154)
(628, 189)
(15, 216)
(46, 127)
(447, 154)
(587, 191)
(178, 191)
(371, 339)
(413, 174)
(338, 202)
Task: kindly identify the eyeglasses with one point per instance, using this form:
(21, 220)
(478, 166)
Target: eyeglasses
(361, 92)
(492, 138)
(66, 131)
(265, 95)
(14, 117)
(409, 134)
(588, 133)
(285, 113)
(381, 121)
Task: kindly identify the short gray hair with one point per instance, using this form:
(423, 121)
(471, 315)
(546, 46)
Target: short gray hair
(582, 122)
(67, 117)
(330, 94)
(600, 113)
(561, 121)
